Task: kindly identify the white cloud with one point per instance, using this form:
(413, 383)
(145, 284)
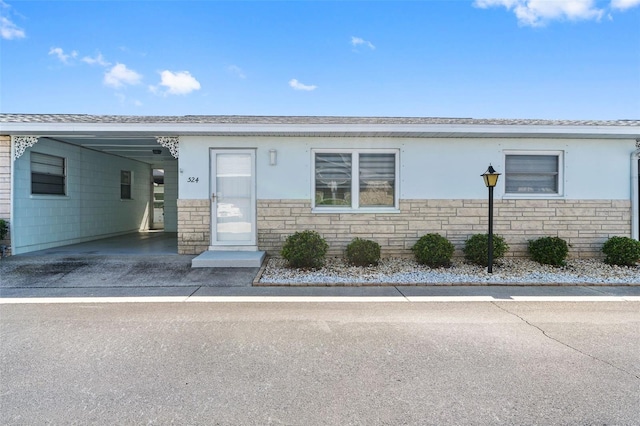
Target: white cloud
(357, 41)
(98, 60)
(63, 57)
(236, 70)
(120, 75)
(177, 83)
(624, 4)
(296, 85)
(9, 30)
(537, 13)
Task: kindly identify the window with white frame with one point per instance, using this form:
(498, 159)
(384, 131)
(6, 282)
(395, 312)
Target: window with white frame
(125, 184)
(533, 173)
(355, 179)
(48, 174)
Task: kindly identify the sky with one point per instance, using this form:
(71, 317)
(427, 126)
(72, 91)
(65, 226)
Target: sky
(531, 59)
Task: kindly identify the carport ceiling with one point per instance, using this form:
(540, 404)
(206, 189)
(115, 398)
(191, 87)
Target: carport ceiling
(141, 148)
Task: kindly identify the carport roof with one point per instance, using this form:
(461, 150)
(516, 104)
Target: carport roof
(337, 126)
(244, 119)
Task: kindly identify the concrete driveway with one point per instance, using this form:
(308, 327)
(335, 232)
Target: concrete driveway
(92, 274)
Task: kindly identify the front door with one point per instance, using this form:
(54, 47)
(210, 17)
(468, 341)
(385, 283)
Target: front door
(233, 200)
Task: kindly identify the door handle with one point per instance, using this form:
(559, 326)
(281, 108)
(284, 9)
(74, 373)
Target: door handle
(213, 197)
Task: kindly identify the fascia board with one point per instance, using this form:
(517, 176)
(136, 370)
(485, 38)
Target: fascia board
(425, 130)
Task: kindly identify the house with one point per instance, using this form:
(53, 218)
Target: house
(242, 184)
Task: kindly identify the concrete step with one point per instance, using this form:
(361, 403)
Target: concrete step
(228, 259)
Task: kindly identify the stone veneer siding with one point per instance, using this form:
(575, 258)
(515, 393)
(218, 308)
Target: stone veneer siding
(194, 231)
(5, 185)
(584, 224)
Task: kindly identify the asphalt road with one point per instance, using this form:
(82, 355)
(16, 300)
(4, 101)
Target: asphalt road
(485, 363)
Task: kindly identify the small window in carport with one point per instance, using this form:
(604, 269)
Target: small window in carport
(47, 174)
(125, 185)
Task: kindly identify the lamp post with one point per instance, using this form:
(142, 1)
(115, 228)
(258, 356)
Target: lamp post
(490, 180)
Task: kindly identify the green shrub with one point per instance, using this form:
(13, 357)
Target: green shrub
(363, 252)
(305, 249)
(549, 250)
(4, 228)
(476, 249)
(622, 251)
(433, 250)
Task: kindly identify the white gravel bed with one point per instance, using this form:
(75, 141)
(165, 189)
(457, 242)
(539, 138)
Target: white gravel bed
(396, 271)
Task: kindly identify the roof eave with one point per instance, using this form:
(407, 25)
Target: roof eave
(388, 130)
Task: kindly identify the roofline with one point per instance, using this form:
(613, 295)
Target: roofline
(317, 129)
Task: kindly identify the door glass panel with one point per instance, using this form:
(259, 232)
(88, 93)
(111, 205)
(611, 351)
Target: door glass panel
(234, 213)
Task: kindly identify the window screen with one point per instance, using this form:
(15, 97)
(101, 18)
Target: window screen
(47, 174)
(532, 174)
(377, 180)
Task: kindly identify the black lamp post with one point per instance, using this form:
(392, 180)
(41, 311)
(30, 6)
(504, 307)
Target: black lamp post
(490, 180)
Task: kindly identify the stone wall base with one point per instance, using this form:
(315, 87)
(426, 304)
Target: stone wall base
(194, 226)
(584, 224)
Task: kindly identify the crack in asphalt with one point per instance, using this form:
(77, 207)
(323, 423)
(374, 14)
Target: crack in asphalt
(544, 333)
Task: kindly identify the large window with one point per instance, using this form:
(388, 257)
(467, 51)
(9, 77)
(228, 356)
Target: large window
(355, 179)
(533, 173)
(47, 174)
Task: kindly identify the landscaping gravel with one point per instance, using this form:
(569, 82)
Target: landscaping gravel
(397, 271)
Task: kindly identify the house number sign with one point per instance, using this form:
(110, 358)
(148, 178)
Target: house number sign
(192, 179)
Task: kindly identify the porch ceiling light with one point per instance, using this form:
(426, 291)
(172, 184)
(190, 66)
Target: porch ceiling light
(490, 177)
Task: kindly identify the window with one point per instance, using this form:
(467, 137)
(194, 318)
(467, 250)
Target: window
(355, 179)
(533, 173)
(47, 174)
(125, 185)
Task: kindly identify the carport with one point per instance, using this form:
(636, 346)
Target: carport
(92, 187)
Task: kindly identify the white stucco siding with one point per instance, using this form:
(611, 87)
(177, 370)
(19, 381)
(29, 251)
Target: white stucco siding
(430, 168)
(91, 207)
(289, 178)
(598, 169)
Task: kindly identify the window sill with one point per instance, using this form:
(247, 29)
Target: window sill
(346, 210)
(532, 196)
(49, 197)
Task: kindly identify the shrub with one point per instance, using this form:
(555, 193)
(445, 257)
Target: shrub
(622, 251)
(305, 249)
(4, 228)
(549, 250)
(433, 250)
(476, 249)
(363, 252)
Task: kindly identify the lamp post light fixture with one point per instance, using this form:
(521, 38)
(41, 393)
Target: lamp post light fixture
(490, 180)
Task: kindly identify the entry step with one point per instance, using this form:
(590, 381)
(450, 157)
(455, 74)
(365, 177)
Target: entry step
(228, 259)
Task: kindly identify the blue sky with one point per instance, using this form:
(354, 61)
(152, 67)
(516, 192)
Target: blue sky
(564, 59)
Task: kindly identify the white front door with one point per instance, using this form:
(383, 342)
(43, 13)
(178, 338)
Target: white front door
(233, 200)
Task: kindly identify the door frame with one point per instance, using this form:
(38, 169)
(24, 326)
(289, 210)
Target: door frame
(249, 245)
